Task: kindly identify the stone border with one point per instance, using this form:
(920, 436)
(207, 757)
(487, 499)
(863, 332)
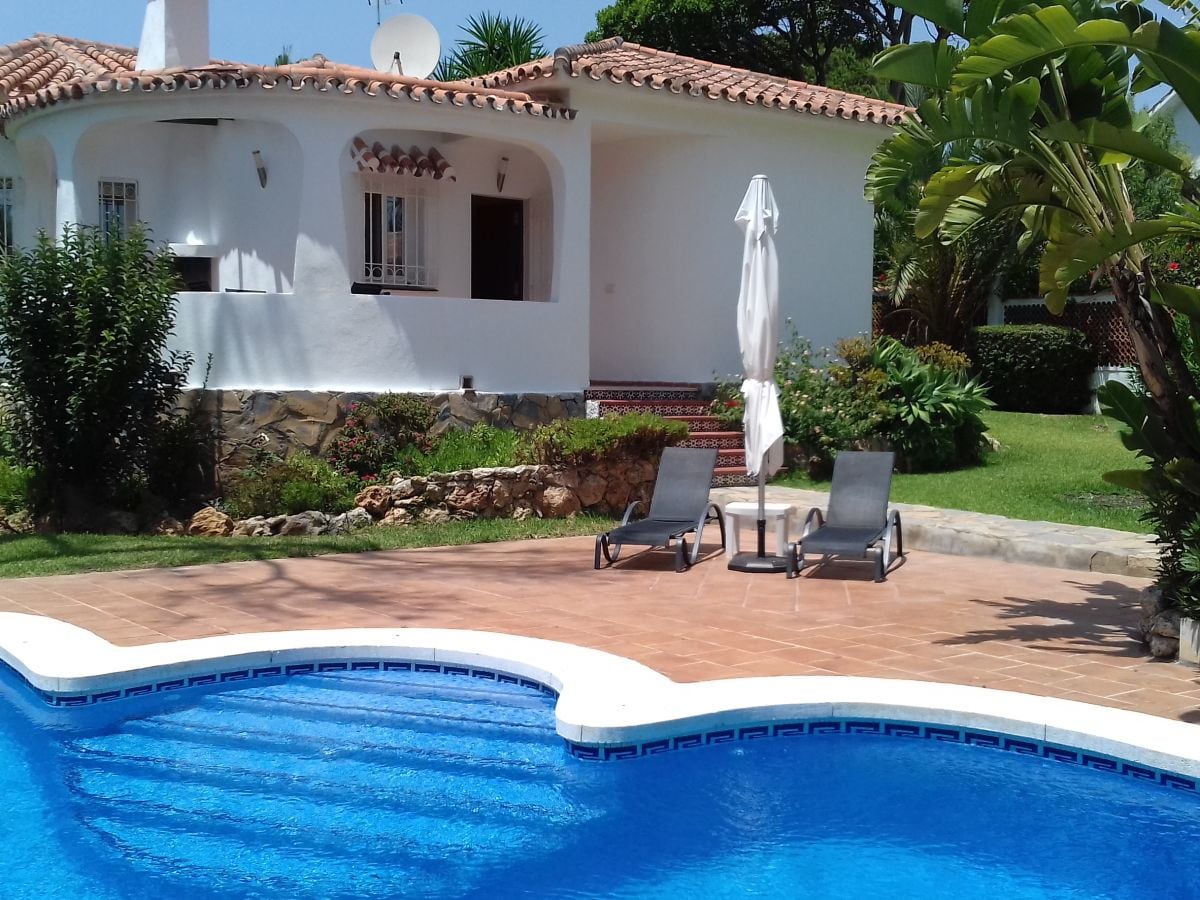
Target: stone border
(960, 533)
(604, 700)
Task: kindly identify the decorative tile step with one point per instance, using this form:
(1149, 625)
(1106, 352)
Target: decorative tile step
(616, 390)
(731, 457)
(698, 424)
(722, 440)
(657, 407)
(732, 476)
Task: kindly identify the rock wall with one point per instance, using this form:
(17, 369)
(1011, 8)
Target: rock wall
(512, 493)
(283, 421)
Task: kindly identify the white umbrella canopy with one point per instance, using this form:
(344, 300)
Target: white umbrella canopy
(758, 330)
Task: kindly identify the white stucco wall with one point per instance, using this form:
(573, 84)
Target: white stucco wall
(666, 255)
(296, 242)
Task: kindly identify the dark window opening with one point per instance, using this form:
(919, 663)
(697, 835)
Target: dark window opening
(194, 273)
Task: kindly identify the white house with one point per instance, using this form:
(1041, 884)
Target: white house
(1187, 129)
(567, 222)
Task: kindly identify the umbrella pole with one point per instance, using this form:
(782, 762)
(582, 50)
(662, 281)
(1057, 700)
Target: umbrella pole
(762, 512)
(759, 562)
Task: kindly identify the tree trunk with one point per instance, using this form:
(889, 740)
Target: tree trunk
(1164, 371)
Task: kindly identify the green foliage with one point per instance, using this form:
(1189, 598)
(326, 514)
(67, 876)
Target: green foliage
(1034, 368)
(729, 406)
(83, 364)
(16, 486)
(582, 442)
(379, 429)
(1171, 483)
(820, 42)
(826, 408)
(881, 394)
(272, 485)
(483, 447)
(492, 42)
(944, 357)
(935, 423)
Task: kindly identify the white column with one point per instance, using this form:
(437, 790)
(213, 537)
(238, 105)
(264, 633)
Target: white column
(322, 257)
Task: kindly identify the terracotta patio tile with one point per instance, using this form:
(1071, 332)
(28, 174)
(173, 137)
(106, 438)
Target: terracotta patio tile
(939, 618)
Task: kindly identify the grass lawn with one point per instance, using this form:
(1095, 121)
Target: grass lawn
(63, 554)
(1048, 469)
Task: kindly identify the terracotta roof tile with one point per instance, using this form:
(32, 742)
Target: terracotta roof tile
(620, 62)
(48, 69)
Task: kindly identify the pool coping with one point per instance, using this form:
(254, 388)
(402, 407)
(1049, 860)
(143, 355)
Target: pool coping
(608, 706)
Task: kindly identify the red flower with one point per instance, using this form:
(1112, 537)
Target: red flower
(1173, 267)
(731, 404)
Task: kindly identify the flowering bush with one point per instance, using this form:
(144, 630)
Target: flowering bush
(826, 408)
(729, 406)
(378, 430)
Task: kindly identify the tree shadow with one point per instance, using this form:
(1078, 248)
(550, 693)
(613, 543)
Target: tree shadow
(1104, 620)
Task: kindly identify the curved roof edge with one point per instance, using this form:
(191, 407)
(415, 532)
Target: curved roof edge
(618, 61)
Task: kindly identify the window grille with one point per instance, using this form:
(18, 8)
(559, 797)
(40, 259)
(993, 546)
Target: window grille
(118, 206)
(7, 197)
(394, 240)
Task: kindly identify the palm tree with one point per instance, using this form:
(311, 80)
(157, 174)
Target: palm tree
(1032, 116)
(492, 42)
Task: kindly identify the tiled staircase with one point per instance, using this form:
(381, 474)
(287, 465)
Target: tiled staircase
(683, 403)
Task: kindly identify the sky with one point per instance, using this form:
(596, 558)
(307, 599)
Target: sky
(254, 31)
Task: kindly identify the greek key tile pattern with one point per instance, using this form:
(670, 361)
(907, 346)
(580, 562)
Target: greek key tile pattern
(279, 671)
(891, 729)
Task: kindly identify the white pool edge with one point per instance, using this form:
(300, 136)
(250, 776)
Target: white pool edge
(606, 700)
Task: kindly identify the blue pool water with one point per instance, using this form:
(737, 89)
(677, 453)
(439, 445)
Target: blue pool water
(356, 785)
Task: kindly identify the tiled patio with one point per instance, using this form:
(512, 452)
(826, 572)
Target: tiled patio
(940, 618)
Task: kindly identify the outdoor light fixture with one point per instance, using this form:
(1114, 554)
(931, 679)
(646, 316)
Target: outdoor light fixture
(467, 383)
(501, 174)
(261, 166)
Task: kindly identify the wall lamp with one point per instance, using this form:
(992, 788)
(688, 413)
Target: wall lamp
(261, 166)
(501, 174)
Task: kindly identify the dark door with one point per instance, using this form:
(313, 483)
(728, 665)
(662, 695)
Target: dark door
(497, 248)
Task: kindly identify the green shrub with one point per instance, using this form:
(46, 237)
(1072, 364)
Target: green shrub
(16, 486)
(483, 447)
(935, 419)
(379, 429)
(83, 364)
(826, 407)
(580, 442)
(1034, 368)
(272, 485)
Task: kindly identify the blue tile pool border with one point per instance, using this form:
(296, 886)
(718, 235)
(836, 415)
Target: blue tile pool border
(590, 752)
(283, 670)
(893, 729)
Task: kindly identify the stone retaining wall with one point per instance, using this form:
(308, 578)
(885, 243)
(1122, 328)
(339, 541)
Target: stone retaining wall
(283, 421)
(521, 492)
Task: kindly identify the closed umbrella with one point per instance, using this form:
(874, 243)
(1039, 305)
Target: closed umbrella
(758, 336)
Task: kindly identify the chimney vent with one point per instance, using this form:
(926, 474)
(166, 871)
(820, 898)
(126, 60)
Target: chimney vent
(175, 34)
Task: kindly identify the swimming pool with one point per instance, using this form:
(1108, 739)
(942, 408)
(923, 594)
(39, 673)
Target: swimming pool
(382, 784)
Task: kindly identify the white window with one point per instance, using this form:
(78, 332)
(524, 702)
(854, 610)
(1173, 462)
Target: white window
(394, 240)
(7, 196)
(118, 206)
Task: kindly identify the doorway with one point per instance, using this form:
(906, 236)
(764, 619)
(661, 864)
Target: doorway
(497, 248)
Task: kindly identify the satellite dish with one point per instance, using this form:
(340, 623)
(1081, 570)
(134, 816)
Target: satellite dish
(406, 45)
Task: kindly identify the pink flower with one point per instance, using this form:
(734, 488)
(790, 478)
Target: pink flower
(1173, 267)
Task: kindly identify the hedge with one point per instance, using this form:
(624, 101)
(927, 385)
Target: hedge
(1034, 368)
